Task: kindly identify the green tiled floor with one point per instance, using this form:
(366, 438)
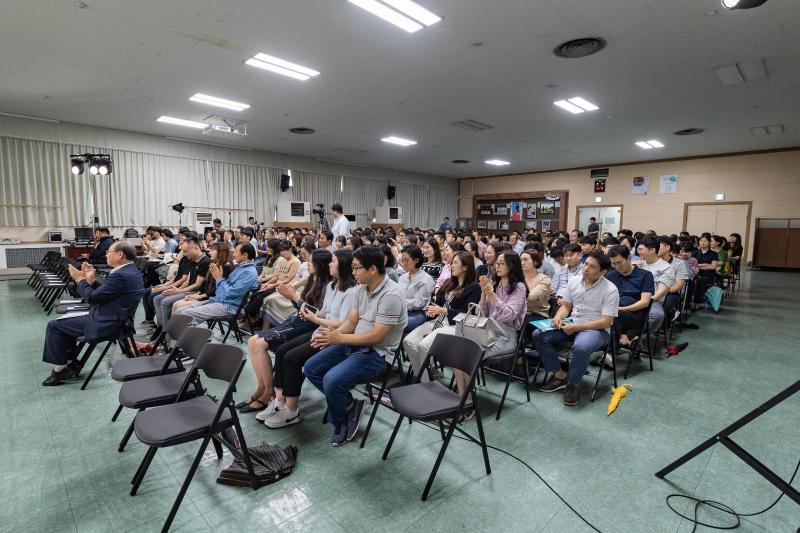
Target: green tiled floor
(60, 471)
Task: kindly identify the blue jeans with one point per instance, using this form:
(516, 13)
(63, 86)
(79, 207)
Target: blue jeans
(335, 371)
(584, 344)
(163, 306)
(415, 320)
(147, 303)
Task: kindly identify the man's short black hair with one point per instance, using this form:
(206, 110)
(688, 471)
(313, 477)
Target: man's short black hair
(663, 239)
(216, 221)
(370, 256)
(573, 247)
(168, 233)
(328, 234)
(649, 242)
(556, 252)
(602, 259)
(191, 241)
(251, 218)
(619, 251)
(104, 231)
(589, 239)
(249, 232)
(337, 207)
(592, 218)
(446, 218)
(247, 248)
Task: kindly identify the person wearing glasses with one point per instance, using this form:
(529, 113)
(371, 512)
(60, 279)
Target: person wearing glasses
(360, 347)
(108, 309)
(591, 302)
(417, 286)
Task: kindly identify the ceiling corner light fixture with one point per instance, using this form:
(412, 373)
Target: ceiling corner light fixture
(497, 162)
(182, 122)
(649, 145)
(742, 4)
(404, 14)
(281, 66)
(218, 102)
(576, 105)
(399, 141)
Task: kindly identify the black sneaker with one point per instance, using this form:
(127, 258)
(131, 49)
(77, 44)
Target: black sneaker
(553, 385)
(353, 418)
(571, 394)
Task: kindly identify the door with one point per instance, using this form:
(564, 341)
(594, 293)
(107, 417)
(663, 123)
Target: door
(719, 218)
(609, 218)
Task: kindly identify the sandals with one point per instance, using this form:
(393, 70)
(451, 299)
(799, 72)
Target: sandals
(250, 409)
(246, 402)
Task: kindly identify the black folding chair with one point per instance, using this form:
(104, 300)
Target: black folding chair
(162, 389)
(44, 265)
(644, 332)
(383, 378)
(232, 321)
(198, 418)
(434, 402)
(518, 351)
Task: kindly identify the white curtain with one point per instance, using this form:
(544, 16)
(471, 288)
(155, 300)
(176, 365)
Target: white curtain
(316, 188)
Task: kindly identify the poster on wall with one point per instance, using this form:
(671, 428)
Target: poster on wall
(530, 224)
(491, 224)
(640, 185)
(501, 209)
(516, 211)
(530, 210)
(504, 224)
(547, 208)
(545, 225)
(668, 184)
(486, 210)
(481, 224)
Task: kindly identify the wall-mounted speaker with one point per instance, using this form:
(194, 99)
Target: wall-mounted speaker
(285, 180)
(390, 190)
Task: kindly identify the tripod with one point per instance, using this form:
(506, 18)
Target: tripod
(322, 224)
(723, 437)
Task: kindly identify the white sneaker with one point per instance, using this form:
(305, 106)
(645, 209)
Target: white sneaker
(283, 418)
(606, 361)
(272, 408)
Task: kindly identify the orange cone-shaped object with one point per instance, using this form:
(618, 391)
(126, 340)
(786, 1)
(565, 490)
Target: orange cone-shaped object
(617, 394)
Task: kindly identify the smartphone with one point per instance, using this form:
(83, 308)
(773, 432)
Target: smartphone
(311, 308)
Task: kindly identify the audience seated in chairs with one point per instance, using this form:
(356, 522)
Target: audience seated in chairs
(417, 286)
(592, 303)
(707, 262)
(277, 306)
(293, 354)
(452, 298)
(229, 291)
(570, 270)
(538, 300)
(636, 287)
(359, 348)
(109, 303)
(281, 267)
(663, 276)
(220, 255)
(672, 301)
(103, 241)
(433, 258)
(313, 295)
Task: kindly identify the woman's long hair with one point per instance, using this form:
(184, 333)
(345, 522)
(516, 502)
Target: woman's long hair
(515, 273)
(452, 284)
(437, 252)
(224, 255)
(272, 244)
(344, 258)
(314, 290)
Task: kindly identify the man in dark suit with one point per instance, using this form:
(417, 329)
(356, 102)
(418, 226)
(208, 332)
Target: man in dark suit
(109, 303)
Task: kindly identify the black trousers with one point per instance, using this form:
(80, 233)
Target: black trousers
(701, 285)
(629, 323)
(289, 360)
(253, 308)
(61, 339)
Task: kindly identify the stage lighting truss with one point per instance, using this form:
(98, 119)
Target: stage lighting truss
(98, 164)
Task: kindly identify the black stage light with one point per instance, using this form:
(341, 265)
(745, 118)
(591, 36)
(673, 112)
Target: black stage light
(77, 165)
(105, 167)
(94, 167)
(178, 207)
(742, 4)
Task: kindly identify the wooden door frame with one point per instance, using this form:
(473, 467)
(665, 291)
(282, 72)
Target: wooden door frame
(746, 240)
(621, 211)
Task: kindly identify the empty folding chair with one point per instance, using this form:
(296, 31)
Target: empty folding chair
(44, 265)
(434, 402)
(198, 418)
(232, 321)
(162, 389)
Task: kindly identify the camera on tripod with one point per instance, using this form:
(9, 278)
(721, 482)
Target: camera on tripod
(320, 210)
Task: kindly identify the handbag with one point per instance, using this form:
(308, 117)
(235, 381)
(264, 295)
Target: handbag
(474, 326)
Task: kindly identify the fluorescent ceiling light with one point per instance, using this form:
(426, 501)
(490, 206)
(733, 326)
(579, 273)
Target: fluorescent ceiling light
(415, 11)
(219, 102)
(655, 144)
(583, 104)
(388, 14)
(644, 145)
(572, 108)
(753, 70)
(729, 75)
(497, 162)
(182, 122)
(281, 66)
(399, 141)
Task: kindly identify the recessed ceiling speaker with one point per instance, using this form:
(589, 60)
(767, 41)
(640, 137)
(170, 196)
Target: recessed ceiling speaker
(390, 190)
(576, 48)
(742, 4)
(303, 131)
(690, 131)
(285, 182)
(459, 161)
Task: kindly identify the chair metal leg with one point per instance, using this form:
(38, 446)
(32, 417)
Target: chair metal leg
(527, 376)
(116, 413)
(391, 439)
(505, 390)
(139, 477)
(439, 458)
(96, 364)
(185, 486)
(377, 403)
(482, 437)
(217, 447)
(126, 437)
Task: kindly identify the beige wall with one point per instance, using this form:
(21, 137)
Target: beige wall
(770, 180)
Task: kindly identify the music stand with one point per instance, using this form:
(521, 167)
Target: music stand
(723, 437)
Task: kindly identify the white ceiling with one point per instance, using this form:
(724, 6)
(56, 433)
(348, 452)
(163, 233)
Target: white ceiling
(123, 63)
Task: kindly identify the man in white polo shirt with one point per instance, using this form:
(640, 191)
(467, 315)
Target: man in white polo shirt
(591, 302)
(341, 226)
(664, 276)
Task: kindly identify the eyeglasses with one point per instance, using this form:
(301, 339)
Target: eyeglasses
(404, 259)
(357, 267)
(499, 263)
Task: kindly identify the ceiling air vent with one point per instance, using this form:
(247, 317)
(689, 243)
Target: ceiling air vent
(690, 131)
(302, 131)
(471, 125)
(353, 151)
(585, 46)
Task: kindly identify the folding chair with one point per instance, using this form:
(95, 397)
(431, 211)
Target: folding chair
(383, 377)
(232, 321)
(645, 331)
(513, 355)
(198, 418)
(44, 265)
(162, 389)
(434, 402)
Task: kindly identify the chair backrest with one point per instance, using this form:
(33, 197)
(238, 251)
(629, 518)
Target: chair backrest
(220, 361)
(245, 300)
(176, 325)
(457, 352)
(193, 340)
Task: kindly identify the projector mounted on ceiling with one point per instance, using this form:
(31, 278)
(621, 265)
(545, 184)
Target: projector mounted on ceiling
(225, 127)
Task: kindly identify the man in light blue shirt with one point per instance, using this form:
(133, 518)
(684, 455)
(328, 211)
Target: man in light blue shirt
(230, 291)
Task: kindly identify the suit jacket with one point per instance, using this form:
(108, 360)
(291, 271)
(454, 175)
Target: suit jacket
(110, 301)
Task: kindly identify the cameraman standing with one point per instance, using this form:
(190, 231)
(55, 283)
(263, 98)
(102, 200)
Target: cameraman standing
(341, 226)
